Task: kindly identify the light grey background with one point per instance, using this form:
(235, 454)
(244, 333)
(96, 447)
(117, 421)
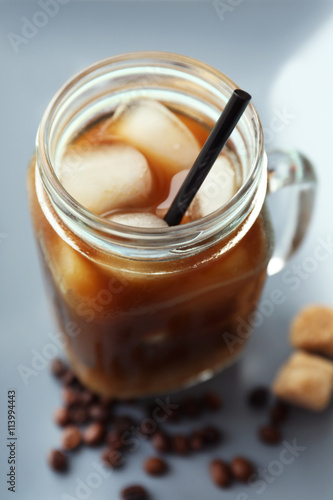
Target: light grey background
(279, 51)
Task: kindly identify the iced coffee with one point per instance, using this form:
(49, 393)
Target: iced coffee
(138, 321)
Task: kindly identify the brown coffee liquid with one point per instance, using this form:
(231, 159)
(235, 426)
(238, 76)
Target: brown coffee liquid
(134, 328)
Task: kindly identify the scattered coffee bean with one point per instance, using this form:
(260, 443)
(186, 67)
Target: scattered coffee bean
(196, 441)
(114, 440)
(155, 466)
(113, 458)
(98, 413)
(71, 437)
(123, 423)
(270, 434)
(135, 492)
(82, 405)
(211, 401)
(191, 407)
(58, 368)
(78, 415)
(94, 434)
(220, 473)
(161, 442)
(259, 397)
(87, 398)
(279, 412)
(61, 416)
(242, 469)
(211, 435)
(148, 427)
(179, 444)
(57, 460)
(175, 415)
(69, 378)
(71, 397)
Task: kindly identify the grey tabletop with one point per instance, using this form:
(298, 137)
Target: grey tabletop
(279, 51)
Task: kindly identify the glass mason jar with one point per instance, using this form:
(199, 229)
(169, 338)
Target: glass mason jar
(146, 311)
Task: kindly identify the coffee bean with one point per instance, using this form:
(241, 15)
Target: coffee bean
(123, 423)
(155, 466)
(57, 460)
(270, 434)
(87, 398)
(211, 401)
(258, 398)
(242, 469)
(71, 397)
(196, 441)
(135, 492)
(113, 458)
(191, 407)
(94, 434)
(211, 435)
(175, 415)
(220, 473)
(114, 440)
(71, 437)
(58, 367)
(161, 442)
(279, 412)
(98, 413)
(79, 415)
(61, 416)
(148, 427)
(179, 444)
(69, 378)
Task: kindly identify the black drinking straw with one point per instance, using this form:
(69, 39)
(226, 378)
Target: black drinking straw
(221, 132)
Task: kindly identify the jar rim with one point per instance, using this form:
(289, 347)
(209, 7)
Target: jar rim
(102, 228)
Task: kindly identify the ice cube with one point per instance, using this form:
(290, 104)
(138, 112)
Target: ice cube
(144, 219)
(157, 132)
(106, 177)
(74, 273)
(176, 182)
(219, 187)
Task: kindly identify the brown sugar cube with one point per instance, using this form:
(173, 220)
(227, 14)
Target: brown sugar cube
(305, 380)
(312, 330)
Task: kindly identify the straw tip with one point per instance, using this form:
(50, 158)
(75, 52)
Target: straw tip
(242, 95)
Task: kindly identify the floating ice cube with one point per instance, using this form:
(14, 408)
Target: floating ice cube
(176, 182)
(144, 219)
(219, 187)
(75, 274)
(157, 132)
(106, 177)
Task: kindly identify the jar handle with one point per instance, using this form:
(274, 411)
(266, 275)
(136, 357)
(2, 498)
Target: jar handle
(293, 169)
